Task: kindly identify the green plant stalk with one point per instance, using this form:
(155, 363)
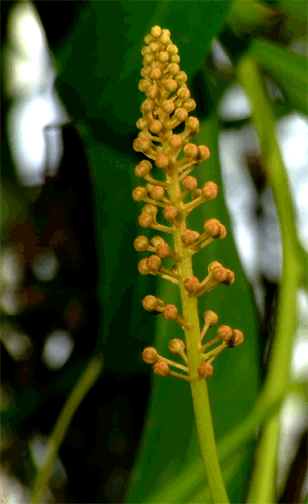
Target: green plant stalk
(198, 387)
(80, 390)
(181, 487)
(262, 489)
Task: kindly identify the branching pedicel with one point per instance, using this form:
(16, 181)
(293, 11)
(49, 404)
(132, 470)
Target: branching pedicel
(167, 106)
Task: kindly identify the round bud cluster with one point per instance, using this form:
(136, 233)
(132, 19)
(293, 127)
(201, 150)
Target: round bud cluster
(156, 240)
(155, 126)
(143, 267)
(190, 150)
(192, 125)
(176, 346)
(236, 339)
(170, 312)
(148, 265)
(152, 303)
(146, 220)
(204, 152)
(143, 169)
(142, 123)
(142, 144)
(210, 318)
(150, 355)
(162, 161)
(170, 213)
(154, 263)
(224, 333)
(209, 191)
(230, 278)
(205, 370)
(141, 243)
(147, 217)
(175, 142)
(215, 229)
(157, 193)
(161, 368)
(191, 284)
(150, 209)
(189, 183)
(197, 193)
(219, 274)
(188, 237)
(163, 251)
(139, 194)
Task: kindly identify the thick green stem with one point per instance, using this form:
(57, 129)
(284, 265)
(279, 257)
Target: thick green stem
(263, 485)
(194, 353)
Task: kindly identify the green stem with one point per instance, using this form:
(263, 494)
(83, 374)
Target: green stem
(194, 353)
(82, 387)
(180, 489)
(263, 482)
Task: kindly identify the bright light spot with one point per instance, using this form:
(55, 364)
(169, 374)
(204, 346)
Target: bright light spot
(11, 269)
(234, 104)
(220, 57)
(57, 349)
(29, 78)
(299, 366)
(12, 491)
(25, 30)
(292, 134)
(41, 449)
(45, 266)
(18, 344)
(26, 123)
(292, 425)
(10, 302)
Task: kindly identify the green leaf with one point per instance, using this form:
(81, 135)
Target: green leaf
(297, 12)
(287, 68)
(100, 63)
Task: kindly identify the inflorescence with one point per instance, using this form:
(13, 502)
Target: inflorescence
(167, 106)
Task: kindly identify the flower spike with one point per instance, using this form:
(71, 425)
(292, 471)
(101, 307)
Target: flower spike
(172, 155)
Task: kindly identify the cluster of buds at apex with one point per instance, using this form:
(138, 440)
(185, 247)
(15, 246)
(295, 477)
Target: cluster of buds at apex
(162, 366)
(167, 105)
(217, 275)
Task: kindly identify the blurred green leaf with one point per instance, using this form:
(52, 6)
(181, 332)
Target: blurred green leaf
(245, 17)
(100, 63)
(287, 68)
(297, 12)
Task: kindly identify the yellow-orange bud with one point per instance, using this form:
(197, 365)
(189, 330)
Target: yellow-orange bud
(176, 346)
(205, 370)
(150, 355)
(161, 368)
(170, 312)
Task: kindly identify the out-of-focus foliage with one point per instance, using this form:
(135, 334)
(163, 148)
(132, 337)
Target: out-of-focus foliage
(98, 64)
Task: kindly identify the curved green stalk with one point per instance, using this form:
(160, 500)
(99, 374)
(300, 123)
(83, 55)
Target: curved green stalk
(180, 489)
(80, 390)
(293, 274)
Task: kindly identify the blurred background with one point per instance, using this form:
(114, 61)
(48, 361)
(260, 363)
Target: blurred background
(70, 288)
